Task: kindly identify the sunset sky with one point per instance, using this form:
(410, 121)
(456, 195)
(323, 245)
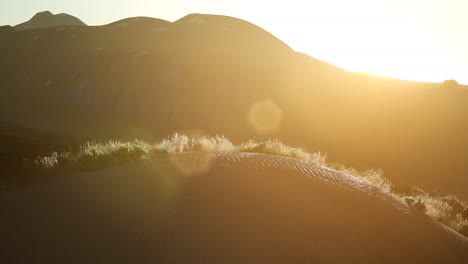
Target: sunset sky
(423, 40)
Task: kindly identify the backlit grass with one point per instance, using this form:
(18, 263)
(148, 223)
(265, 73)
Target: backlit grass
(449, 210)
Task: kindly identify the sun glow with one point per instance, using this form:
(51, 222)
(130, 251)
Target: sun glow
(402, 40)
(423, 40)
(399, 50)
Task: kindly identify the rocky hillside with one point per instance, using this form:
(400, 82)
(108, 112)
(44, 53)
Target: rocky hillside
(145, 77)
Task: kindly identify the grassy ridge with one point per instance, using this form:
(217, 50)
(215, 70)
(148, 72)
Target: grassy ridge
(449, 210)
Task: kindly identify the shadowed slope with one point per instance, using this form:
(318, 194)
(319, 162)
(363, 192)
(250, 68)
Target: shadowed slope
(237, 208)
(146, 78)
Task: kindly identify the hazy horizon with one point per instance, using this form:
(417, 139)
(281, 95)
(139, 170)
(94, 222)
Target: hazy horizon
(413, 39)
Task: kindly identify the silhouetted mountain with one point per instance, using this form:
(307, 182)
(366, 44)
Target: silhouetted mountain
(144, 77)
(47, 19)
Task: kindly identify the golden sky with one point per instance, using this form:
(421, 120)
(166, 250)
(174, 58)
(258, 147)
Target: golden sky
(424, 40)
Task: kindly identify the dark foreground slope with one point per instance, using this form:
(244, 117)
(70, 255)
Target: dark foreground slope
(218, 208)
(146, 78)
(21, 145)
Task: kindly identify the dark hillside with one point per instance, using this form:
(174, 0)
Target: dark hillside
(145, 77)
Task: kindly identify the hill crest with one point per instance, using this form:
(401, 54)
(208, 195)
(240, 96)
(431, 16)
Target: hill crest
(46, 19)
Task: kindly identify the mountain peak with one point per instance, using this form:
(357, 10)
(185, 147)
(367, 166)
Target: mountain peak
(46, 19)
(42, 14)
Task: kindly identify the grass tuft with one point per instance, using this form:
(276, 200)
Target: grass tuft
(448, 210)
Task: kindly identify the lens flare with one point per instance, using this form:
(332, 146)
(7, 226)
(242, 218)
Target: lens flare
(265, 116)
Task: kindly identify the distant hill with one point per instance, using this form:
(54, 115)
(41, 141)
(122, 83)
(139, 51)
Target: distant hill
(4, 29)
(47, 19)
(145, 77)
